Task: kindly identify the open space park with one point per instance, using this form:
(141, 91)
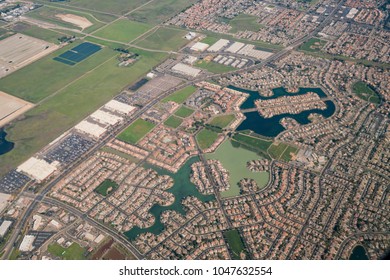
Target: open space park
(364, 92)
(181, 95)
(236, 246)
(222, 121)
(73, 252)
(106, 187)
(206, 138)
(123, 30)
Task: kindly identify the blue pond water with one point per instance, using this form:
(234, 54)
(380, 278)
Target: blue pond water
(271, 127)
(5, 146)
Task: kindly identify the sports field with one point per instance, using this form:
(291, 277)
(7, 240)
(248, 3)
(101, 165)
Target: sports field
(244, 22)
(282, 151)
(222, 121)
(181, 95)
(206, 138)
(184, 112)
(123, 30)
(173, 122)
(73, 252)
(106, 187)
(363, 91)
(313, 45)
(214, 67)
(164, 38)
(136, 131)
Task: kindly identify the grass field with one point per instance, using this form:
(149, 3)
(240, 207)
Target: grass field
(37, 32)
(255, 142)
(222, 121)
(115, 7)
(281, 151)
(136, 131)
(164, 38)
(159, 11)
(181, 95)
(57, 75)
(73, 252)
(184, 112)
(173, 122)
(103, 42)
(364, 92)
(106, 187)
(244, 22)
(236, 245)
(209, 40)
(123, 30)
(119, 153)
(206, 138)
(313, 45)
(71, 104)
(214, 67)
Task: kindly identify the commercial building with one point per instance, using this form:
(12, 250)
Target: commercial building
(119, 107)
(219, 45)
(90, 129)
(37, 169)
(200, 47)
(186, 70)
(4, 227)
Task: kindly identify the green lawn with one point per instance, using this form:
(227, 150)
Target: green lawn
(236, 245)
(74, 102)
(173, 122)
(206, 138)
(209, 40)
(106, 187)
(364, 92)
(184, 112)
(222, 121)
(164, 38)
(136, 131)
(181, 95)
(244, 22)
(313, 45)
(73, 252)
(214, 67)
(286, 156)
(123, 30)
(159, 11)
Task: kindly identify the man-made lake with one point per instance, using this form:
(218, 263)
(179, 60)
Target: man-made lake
(5, 146)
(271, 127)
(359, 253)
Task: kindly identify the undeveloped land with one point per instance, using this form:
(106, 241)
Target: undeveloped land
(76, 20)
(11, 107)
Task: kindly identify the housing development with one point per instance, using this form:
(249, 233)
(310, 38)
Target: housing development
(194, 129)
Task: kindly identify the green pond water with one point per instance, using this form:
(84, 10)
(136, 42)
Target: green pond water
(234, 160)
(182, 188)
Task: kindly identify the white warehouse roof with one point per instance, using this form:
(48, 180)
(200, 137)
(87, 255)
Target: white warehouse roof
(220, 44)
(27, 243)
(235, 47)
(4, 227)
(200, 47)
(106, 118)
(38, 169)
(120, 107)
(186, 70)
(90, 129)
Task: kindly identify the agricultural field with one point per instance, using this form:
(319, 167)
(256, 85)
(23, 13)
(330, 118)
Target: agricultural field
(214, 67)
(222, 121)
(313, 45)
(236, 245)
(71, 103)
(184, 112)
(173, 122)
(73, 252)
(181, 95)
(123, 30)
(164, 38)
(159, 11)
(136, 131)
(206, 138)
(244, 22)
(364, 92)
(106, 187)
